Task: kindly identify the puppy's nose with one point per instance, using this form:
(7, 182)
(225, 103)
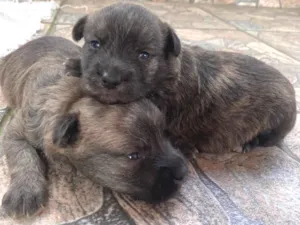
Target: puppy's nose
(110, 80)
(179, 172)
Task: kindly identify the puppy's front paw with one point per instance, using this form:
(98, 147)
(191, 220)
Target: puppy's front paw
(24, 199)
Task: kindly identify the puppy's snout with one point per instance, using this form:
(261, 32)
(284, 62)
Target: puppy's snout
(177, 169)
(111, 80)
(179, 172)
(172, 164)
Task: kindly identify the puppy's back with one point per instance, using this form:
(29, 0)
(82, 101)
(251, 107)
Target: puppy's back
(31, 66)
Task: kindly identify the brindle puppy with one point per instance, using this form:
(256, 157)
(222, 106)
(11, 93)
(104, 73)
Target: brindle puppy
(215, 101)
(121, 147)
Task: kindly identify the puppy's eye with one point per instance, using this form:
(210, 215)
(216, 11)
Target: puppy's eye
(134, 156)
(95, 44)
(144, 55)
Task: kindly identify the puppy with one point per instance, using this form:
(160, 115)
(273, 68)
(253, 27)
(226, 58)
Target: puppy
(121, 147)
(215, 101)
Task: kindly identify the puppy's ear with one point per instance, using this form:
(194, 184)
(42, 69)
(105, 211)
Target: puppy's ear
(73, 67)
(173, 44)
(77, 32)
(66, 130)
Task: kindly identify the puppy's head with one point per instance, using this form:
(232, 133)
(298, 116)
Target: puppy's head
(126, 52)
(121, 147)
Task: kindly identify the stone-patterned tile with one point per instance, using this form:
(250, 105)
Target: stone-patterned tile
(297, 90)
(224, 2)
(88, 6)
(290, 3)
(269, 3)
(264, 184)
(201, 1)
(293, 138)
(192, 17)
(71, 196)
(277, 25)
(251, 3)
(180, 1)
(288, 43)
(68, 18)
(4, 118)
(158, 0)
(193, 205)
(3, 103)
(109, 213)
(64, 31)
(291, 72)
(261, 19)
(178, 15)
(3, 111)
(236, 41)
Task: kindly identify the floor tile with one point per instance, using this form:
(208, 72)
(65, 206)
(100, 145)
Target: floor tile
(286, 42)
(261, 19)
(264, 184)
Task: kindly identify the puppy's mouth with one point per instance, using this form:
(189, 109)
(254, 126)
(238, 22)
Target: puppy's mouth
(121, 94)
(163, 189)
(159, 193)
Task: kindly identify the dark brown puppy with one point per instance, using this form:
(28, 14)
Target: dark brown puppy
(215, 101)
(121, 147)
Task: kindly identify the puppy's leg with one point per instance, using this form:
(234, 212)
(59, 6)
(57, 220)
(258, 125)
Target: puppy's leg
(250, 145)
(28, 186)
(283, 122)
(263, 139)
(273, 137)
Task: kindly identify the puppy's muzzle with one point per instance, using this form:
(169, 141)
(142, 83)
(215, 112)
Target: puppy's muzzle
(172, 163)
(172, 170)
(113, 75)
(175, 169)
(111, 80)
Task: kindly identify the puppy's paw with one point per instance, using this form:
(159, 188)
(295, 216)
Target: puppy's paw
(24, 199)
(238, 149)
(247, 147)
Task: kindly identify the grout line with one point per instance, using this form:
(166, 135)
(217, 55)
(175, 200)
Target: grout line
(52, 24)
(283, 147)
(245, 31)
(233, 211)
(5, 118)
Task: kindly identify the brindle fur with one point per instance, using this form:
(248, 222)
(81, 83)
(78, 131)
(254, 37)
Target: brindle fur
(213, 100)
(52, 114)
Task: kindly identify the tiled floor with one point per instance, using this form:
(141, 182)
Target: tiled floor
(248, 3)
(260, 187)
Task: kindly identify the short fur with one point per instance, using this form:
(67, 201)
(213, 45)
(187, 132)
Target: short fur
(215, 101)
(52, 114)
